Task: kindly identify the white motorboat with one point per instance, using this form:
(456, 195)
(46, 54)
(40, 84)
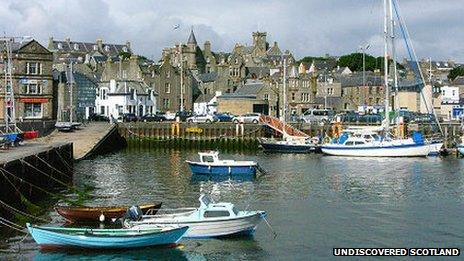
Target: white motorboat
(210, 164)
(209, 220)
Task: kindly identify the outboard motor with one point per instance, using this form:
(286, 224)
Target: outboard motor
(133, 213)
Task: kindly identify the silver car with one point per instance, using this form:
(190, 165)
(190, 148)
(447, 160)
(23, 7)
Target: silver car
(247, 118)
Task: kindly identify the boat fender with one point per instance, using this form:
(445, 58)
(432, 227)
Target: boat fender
(102, 217)
(230, 170)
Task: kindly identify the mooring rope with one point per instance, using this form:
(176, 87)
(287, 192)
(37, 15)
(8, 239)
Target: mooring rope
(11, 223)
(3, 171)
(12, 227)
(53, 168)
(55, 179)
(21, 212)
(64, 161)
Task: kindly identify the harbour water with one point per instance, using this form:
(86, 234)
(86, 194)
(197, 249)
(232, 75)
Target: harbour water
(314, 203)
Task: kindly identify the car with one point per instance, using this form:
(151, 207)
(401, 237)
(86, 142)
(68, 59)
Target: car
(98, 117)
(202, 118)
(247, 118)
(153, 117)
(183, 115)
(224, 117)
(317, 115)
(129, 117)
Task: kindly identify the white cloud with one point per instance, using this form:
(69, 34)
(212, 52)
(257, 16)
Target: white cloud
(311, 27)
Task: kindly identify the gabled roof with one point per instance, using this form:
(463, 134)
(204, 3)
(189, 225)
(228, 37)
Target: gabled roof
(252, 88)
(258, 72)
(204, 98)
(208, 77)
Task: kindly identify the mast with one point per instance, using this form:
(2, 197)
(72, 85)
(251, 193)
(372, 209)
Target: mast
(385, 69)
(285, 89)
(71, 82)
(393, 49)
(181, 80)
(10, 107)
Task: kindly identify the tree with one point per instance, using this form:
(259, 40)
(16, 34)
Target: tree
(354, 61)
(310, 59)
(458, 71)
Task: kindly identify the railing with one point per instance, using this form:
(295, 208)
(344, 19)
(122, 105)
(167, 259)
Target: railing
(281, 127)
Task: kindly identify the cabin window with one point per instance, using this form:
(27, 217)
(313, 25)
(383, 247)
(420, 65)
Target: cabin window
(367, 137)
(208, 159)
(216, 213)
(359, 143)
(235, 210)
(349, 143)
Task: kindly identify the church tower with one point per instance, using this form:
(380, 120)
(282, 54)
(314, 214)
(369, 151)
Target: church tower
(190, 51)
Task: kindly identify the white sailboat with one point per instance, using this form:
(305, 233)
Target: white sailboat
(362, 143)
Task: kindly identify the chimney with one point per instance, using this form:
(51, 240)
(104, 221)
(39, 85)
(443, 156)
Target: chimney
(68, 40)
(128, 45)
(100, 44)
(50, 43)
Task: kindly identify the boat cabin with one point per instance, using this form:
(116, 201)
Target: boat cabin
(209, 157)
(209, 209)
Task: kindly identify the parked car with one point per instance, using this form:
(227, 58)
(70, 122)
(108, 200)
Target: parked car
(224, 117)
(170, 116)
(317, 115)
(353, 117)
(129, 117)
(98, 117)
(247, 118)
(153, 117)
(183, 115)
(202, 118)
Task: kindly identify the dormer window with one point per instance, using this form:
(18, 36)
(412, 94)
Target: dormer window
(124, 49)
(60, 46)
(76, 46)
(95, 47)
(107, 48)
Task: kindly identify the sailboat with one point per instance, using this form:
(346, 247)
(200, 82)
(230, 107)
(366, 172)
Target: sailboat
(293, 141)
(362, 143)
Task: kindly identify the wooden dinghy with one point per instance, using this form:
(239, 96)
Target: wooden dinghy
(94, 214)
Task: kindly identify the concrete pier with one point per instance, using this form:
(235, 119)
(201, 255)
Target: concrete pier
(91, 138)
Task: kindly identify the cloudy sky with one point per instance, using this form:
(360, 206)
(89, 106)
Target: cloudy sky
(306, 27)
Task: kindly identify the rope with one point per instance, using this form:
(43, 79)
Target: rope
(10, 222)
(50, 166)
(12, 227)
(270, 227)
(21, 212)
(55, 179)
(3, 171)
(64, 161)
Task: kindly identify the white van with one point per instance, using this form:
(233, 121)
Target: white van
(317, 115)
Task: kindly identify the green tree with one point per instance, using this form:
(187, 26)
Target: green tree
(310, 59)
(354, 61)
(458, 71)
(124, 55)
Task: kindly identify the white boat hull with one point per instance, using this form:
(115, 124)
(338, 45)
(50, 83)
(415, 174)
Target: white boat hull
(209, 228)
(379, 151)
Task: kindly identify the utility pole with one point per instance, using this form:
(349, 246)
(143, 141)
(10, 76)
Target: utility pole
(285, 88)
(181, 79)
(71, 83)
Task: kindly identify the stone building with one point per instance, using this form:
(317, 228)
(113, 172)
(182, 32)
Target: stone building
(355, 94)
(32, 82)
(84, 51)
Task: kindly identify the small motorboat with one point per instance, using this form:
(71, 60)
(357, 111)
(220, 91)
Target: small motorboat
(211, 164)
(100, 214)
(289, 145)
(61, 237)
(209, 220)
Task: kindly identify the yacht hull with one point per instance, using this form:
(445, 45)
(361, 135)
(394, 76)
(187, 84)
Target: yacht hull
(409, 150)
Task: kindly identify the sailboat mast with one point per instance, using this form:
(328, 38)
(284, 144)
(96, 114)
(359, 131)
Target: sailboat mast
(285, 88)
(385, 69)
(393, 49)
(71, 82)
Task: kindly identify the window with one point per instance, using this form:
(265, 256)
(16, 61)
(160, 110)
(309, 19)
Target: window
(359, 143)
(293, 96)
(95, 47)
(166, 103)
(60, 46)
(33, 110)
(208, 159)
(32, 68)
(167, 87)
(349, 143)
(104, 94)
(32, 88)
(76, 46)
(168, 74)
(216, 213)
(102, 109)
(266, 96)
(124, 74)
(107, 48)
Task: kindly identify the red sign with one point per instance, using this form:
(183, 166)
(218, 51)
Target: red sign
(34, 100)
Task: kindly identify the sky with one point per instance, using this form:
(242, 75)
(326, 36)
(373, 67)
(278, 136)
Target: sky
(305, 27)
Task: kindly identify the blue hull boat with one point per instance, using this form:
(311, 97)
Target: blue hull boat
(210, 164)
(60, 237)
(461, 149)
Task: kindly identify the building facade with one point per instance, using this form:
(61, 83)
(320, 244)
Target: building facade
(32, 82)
